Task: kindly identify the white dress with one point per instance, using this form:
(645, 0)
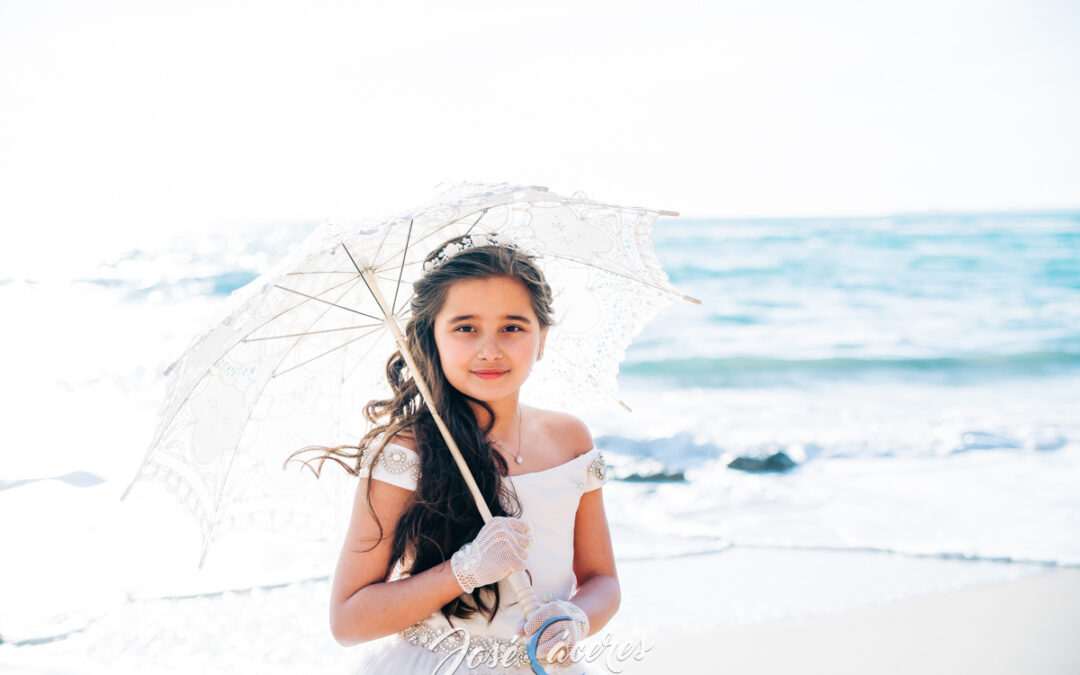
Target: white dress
(549, 501)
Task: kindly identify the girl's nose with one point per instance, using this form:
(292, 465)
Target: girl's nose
(489, 350)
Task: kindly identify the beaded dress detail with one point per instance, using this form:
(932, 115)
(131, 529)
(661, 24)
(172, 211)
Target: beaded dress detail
(397, 465)
(549, 501)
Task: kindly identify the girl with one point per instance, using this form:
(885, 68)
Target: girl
(418, 563)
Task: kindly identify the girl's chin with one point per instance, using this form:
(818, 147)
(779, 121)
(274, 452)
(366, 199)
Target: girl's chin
(489, 390)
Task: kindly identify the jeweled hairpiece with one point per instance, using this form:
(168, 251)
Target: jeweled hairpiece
(466, 242)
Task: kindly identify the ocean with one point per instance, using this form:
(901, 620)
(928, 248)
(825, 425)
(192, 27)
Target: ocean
(921, 372)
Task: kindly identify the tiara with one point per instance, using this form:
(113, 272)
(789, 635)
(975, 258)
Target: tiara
(466, 242)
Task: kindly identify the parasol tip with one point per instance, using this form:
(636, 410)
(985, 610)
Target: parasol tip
(623, 404)
(673, 214)
(690, 299)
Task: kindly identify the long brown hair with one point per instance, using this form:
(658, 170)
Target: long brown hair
(443, 516)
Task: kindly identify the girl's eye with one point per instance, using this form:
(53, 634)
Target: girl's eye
(517, 328)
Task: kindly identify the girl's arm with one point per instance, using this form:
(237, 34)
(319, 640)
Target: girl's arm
(363, 605)
(598, 592)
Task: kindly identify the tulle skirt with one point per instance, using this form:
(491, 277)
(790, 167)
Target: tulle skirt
(394, 656)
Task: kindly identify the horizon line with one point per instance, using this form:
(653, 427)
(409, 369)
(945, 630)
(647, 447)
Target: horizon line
(1063, 211)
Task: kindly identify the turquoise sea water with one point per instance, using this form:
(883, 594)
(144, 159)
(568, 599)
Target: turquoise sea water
(940, 298)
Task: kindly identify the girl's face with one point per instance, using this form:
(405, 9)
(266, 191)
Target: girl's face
(488, 337)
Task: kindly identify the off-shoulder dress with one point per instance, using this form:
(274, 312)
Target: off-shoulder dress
(549, 501)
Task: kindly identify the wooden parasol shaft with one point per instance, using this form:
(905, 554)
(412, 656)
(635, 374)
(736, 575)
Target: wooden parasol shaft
(518, 580)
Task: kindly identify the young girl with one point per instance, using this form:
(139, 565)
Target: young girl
(418, 563)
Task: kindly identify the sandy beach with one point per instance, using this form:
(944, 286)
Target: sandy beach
(1021, 626)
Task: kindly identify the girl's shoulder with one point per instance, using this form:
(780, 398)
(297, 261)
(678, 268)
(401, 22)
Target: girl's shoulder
(567, 429)
(570, 438)
(574, 435)
(403, 439)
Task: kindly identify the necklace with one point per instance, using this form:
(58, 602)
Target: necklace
(518, 459)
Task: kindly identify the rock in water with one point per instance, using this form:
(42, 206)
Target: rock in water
(778, 461)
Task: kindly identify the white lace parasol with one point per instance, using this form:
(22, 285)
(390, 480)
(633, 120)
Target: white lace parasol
(298, 352)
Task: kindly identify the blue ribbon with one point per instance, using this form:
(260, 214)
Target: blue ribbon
(530, 646)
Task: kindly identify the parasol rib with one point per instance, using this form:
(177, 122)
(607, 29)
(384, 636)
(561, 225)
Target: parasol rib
(312, 297)
(328, 351)
(436, 230)
(301, 304)
(311, 332)
(401, 270)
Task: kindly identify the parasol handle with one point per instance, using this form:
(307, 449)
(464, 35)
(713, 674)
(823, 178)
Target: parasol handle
(518, 580)
(524, 591)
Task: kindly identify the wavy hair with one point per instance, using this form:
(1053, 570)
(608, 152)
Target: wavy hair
(443, 516)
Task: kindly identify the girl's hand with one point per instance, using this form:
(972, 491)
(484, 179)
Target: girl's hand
(558, 636)
(497, 552)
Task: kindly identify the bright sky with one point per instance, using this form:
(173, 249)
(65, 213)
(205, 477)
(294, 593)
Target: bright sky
(121, 116)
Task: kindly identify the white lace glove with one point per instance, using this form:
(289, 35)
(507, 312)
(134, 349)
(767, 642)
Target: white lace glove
(497, 552)
(560, 634)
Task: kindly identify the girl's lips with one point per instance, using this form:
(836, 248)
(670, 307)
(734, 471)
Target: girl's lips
(489, 374)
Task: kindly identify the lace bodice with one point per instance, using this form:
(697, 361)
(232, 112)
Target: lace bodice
(549, 501)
